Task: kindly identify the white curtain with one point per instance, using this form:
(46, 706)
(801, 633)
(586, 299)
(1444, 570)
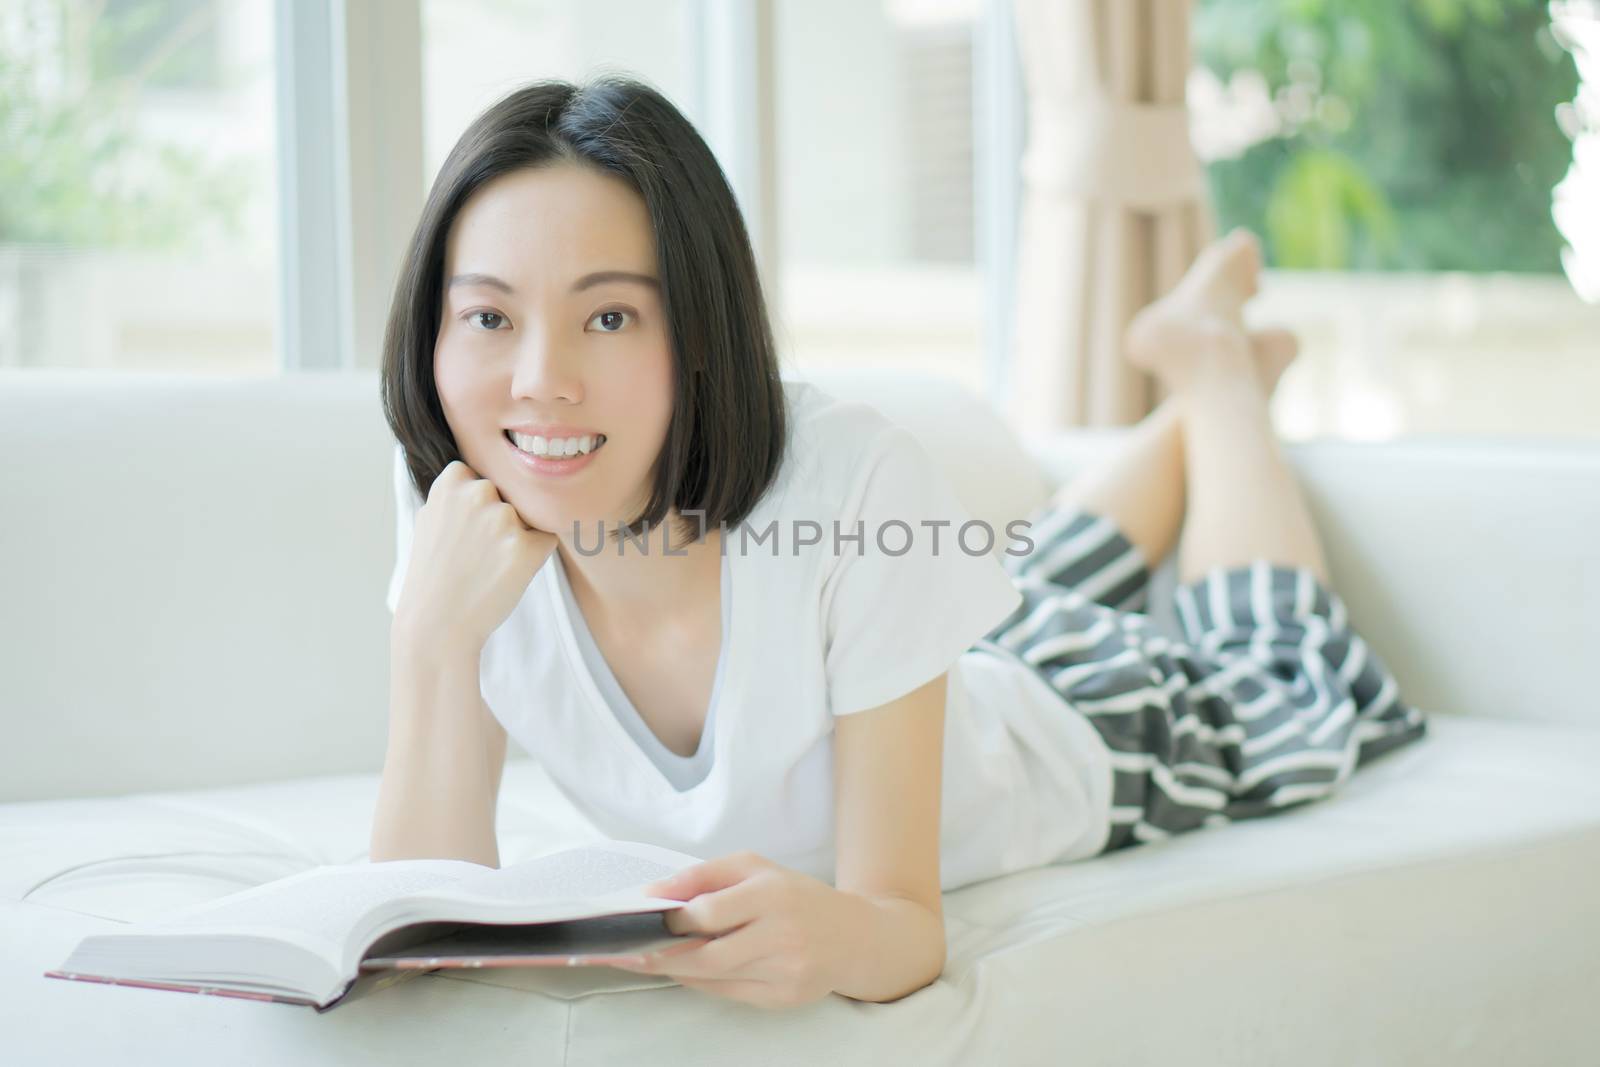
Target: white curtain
(1114, 202)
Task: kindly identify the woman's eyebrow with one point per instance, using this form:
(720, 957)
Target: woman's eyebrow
(588, 281)
(602, 276)
(488, 280)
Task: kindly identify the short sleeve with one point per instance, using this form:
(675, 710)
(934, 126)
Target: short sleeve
(896, 620)
(406, 505)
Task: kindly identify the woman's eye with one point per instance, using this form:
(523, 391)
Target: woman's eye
(611, 321)
(478, 316)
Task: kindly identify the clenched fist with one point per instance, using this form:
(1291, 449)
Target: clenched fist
(472, 558)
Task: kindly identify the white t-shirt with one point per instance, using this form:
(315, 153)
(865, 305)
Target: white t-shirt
(816, 633)
(683, 771)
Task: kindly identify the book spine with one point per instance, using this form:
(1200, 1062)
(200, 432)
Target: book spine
(211, 991)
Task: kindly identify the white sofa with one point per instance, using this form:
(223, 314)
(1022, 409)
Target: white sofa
(193, 647)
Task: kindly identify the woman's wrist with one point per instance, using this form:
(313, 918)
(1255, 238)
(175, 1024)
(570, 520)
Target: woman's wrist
(416, 640)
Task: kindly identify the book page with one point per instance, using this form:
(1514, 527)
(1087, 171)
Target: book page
(578, 873)
(325, 903)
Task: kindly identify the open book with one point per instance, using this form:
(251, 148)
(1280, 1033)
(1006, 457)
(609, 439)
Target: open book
(308, 938)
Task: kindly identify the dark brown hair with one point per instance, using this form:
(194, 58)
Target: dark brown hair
(727, 434)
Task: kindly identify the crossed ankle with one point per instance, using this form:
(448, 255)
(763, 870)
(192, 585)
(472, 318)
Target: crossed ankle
(1216, 370)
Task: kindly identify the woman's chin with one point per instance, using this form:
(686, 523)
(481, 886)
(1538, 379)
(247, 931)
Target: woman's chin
(564, 523)
(561, 518)
(542, 518)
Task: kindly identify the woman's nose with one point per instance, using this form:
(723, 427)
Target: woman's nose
(546, 369)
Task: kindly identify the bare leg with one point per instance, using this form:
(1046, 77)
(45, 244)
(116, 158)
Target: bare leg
(1141, 488)
(1243, 500)
(1246, 503)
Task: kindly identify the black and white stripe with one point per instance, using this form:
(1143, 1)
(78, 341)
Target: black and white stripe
(1271, 701)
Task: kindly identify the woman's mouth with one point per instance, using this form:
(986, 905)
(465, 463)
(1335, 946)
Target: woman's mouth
(560, 464)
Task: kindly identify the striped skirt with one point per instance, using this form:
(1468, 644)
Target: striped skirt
(1270, 702)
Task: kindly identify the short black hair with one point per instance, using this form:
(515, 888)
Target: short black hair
(726, 439)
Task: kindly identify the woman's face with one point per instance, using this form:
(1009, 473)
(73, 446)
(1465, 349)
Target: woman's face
(552, 317)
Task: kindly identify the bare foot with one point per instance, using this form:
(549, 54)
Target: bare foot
(1202, 318)
(1272, 350)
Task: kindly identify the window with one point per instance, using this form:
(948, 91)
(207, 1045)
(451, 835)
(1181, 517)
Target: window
(1398, 161)
(877, 234)
(138, 217)
(476, 51)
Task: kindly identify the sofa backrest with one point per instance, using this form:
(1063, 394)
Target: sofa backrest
(192, 569)
(1470, 564)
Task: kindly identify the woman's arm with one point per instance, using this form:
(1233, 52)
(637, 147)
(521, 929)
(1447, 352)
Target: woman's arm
(888, 765)
(779, 937)
(441, 776)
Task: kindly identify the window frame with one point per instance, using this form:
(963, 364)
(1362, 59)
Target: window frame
(350, 183)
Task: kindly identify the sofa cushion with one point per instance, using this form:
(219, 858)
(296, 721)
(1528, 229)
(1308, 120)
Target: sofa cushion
(1465, 864)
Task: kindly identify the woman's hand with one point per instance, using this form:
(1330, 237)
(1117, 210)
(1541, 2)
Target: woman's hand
(472, 558)
(774, 931)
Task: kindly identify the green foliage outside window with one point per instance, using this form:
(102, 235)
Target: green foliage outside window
(1416, 135)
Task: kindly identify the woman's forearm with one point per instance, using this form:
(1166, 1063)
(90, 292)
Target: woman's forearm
(895, 947)
(441, 774)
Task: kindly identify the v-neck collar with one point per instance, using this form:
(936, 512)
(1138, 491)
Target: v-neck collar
(714, 730)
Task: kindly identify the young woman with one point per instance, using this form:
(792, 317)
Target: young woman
(717, 607)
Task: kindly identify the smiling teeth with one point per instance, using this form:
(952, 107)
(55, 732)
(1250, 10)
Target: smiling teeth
(557, 447)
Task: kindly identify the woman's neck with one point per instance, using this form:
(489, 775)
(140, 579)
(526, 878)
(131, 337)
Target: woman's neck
(644, 589)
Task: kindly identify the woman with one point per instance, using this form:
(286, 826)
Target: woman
(846, 720)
